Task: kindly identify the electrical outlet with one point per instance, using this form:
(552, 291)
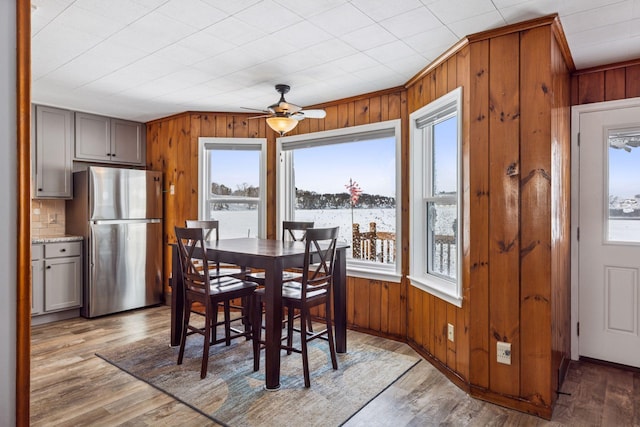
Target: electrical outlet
(504, 352)
(450, 332)
(53, 218)
(172, 189)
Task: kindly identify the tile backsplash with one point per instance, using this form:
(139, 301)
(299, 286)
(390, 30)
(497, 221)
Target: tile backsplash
(47, 218)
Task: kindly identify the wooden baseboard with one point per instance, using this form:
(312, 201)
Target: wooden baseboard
(511, 402)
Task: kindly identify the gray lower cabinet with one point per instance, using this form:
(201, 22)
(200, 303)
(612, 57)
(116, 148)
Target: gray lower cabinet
(108, 140)
(59, 285)
(37, 277)
(53, 159)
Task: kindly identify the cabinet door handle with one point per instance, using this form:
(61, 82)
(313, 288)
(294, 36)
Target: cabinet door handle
(48, 267)
(63, 250)
(39, 189)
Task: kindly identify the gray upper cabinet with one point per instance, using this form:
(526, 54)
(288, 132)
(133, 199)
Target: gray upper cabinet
(127, 141)
(93, 139)
(53, 157)
(108, 140)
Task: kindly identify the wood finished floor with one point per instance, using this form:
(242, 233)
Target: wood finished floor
(70, 386)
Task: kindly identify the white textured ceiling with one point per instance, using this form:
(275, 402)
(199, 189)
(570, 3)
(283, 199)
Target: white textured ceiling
(147, 59)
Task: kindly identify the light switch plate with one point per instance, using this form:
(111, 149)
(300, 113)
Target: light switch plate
(450, 332)
(504, 352)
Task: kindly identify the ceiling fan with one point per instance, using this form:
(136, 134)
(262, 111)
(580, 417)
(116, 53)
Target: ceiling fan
(283, 116)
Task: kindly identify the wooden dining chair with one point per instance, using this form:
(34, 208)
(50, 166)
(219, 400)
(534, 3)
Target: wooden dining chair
(208, 292)
(211, 232)
(314, 289)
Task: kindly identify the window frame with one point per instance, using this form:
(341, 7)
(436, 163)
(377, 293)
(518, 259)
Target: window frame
(421, 123)
(285, 198)
(258, 144)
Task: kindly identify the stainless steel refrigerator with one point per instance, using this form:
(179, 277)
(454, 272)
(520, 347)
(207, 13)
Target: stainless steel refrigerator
(119, 213)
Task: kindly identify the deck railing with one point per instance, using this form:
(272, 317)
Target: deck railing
(380, 246)
(373, 245)
(444, 245)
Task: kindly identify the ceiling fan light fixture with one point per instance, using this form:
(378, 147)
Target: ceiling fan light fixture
(282, 124)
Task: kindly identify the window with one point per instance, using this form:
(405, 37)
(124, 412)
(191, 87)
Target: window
(435, 198)
(232, 179)
(350, 178)
(624, 191)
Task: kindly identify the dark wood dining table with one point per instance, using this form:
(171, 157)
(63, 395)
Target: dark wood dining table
(272, 256)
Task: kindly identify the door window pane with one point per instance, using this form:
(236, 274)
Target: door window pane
(624, 185)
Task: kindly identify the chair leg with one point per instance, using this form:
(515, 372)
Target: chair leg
(227, 323)
(247, 305)
(309, 325)
(183, 336)
(303, 342)
(257, 330)
(291, 316)
(214, 325)
(332, 347)
(207, 334)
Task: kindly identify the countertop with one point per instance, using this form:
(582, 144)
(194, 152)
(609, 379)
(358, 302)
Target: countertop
(56, 239)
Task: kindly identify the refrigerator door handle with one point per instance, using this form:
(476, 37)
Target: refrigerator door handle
(125, 221)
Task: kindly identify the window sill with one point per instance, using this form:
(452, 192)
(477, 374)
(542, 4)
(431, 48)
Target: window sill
(436, 291)
(374, 274)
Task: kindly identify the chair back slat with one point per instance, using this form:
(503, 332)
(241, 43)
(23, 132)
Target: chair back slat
(193, 259)
(295, 231)
(210, 227)
(320, 253)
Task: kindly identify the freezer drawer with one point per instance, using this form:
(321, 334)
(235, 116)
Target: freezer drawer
(124, 269)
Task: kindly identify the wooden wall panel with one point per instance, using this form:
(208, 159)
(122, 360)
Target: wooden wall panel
(441, 80)
(614, 84)
(504, 227)
(476, 209)
(395, 108)
(561, 220)
(361, 108)
(606, 83)
(535, 214)
(591, 88)
(462, 346)
(439, 328)
(421, 318)
(331, 119)
(632, 75)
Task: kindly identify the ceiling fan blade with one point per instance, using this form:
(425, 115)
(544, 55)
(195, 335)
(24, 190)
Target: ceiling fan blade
(255, 109)
(259, 117)
(314, 114)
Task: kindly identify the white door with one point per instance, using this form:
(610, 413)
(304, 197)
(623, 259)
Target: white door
(609, 235)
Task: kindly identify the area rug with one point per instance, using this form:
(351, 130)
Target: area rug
(233, 394)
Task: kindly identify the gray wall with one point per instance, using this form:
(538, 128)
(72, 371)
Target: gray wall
(8, 210)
